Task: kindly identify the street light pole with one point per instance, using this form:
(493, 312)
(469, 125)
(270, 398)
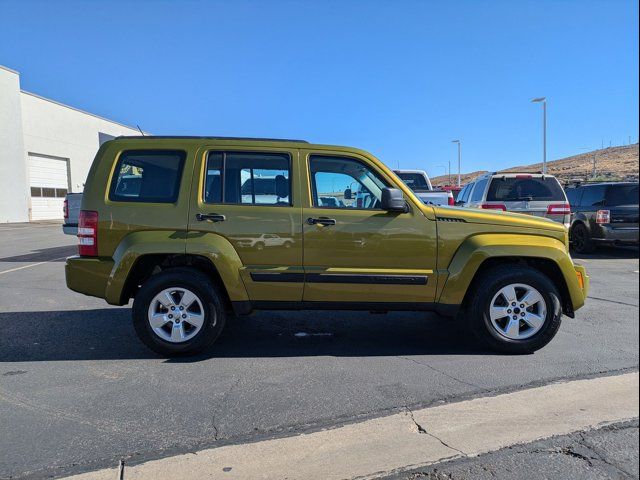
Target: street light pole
(459, 148)
(543, 100)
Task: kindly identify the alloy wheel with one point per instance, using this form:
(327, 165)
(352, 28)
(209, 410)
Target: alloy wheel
(176, 314)
(518, 311)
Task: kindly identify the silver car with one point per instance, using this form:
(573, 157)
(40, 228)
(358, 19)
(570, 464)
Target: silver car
(527, 193)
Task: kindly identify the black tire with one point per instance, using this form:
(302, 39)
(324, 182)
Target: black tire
(581, 241)
(203, 288)
(489, 284)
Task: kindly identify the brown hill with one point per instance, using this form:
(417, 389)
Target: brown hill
(613, 163)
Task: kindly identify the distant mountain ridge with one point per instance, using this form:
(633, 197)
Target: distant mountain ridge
(613, 163)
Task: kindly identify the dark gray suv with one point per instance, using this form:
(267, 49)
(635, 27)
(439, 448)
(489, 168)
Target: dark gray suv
(603, 213)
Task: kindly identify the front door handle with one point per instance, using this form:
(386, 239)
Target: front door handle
(321, 221)
(213, 217)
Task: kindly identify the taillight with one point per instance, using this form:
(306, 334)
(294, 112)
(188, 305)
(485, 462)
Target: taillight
(88, 233)
(451, 200)
(65, 209)
(523, 177)
(494, 206)
(559, 209)
(603, 216)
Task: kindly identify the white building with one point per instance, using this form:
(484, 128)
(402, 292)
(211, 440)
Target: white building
(46, 149)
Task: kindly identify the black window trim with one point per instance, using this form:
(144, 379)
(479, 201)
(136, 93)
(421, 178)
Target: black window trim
(314, 192)
(224, 168)
(116, 172)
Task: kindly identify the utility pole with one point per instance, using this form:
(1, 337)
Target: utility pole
(543, 100)
(459, 161)
(595, 155)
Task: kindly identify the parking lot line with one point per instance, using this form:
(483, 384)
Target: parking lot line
(30, 265)
(408, 440)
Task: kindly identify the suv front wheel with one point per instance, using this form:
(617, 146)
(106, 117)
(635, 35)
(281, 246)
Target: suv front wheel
(178, 312)
(515, 309)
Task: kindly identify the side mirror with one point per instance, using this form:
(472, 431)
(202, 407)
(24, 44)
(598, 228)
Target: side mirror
(393, 200)
(347, 194)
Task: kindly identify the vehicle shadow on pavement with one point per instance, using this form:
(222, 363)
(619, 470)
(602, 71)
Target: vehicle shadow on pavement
(609, 253)
(108, 334)
(57, 254)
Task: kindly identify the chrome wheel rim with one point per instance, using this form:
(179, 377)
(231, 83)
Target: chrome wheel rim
(518, 311)
(176, 314)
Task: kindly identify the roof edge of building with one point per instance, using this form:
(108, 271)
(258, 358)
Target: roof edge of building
(9, 70)
(77, 109)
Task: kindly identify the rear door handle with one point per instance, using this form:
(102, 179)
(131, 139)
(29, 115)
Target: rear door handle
(321, 221)
(212, 217)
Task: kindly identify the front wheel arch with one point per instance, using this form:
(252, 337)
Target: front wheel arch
(546, 266)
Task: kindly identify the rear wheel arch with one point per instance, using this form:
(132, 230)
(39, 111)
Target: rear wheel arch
(579, 221)
(146, 266)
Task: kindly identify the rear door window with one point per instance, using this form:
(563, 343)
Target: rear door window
(151, 176)
(622, 195)
(593, 196)
(515, 189)
(249, 178)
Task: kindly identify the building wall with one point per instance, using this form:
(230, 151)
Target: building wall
(33, 126)
(60, 131)
(14, 192)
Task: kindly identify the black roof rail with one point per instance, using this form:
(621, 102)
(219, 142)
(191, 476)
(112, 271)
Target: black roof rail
(194, 137)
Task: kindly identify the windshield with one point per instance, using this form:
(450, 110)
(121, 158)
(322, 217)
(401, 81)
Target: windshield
(622, 195)
(513, 189)
(414, 181)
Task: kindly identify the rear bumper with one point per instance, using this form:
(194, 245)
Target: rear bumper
(88, 276)
(70, 229)
(622, 235)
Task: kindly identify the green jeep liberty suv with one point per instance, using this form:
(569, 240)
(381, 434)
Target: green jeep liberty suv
(197, 229)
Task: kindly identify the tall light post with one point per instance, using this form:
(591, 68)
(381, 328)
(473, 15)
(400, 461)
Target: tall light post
(459, 147)
(543, 100)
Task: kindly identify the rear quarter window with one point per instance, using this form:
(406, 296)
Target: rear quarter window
(151, 176)
(478, 191)
(622, 195)
(513, 189)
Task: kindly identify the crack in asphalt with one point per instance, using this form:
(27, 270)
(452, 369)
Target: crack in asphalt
(216, 430)
(601, 456)
(423, 431)
(443, 373)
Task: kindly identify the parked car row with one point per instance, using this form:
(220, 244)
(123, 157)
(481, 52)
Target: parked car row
(595, 213)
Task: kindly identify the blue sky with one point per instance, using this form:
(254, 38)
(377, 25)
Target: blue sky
(400, 79)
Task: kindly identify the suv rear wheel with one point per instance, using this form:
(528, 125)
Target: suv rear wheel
(178, 312)
(515, 311)
(581, 240)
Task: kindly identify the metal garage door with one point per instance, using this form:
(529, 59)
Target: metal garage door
(49, 182)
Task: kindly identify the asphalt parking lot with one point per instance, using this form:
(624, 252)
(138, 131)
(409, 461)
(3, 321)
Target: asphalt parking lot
(78, 391)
